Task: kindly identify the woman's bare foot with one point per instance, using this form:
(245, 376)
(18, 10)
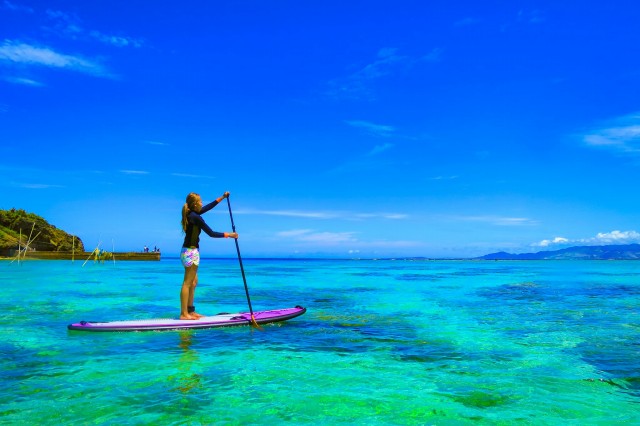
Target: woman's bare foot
(197, 315)
(188, 317)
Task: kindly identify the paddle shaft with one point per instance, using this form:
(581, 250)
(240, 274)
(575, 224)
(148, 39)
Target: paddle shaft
(244, 279)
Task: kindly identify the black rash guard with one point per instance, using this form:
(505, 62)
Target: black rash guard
(195, 223)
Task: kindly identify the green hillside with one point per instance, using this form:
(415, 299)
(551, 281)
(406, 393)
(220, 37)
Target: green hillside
(45, 237)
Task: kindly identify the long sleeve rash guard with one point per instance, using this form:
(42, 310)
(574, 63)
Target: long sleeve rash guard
(195, 224)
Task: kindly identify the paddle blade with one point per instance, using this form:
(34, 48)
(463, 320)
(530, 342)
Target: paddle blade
(254, 324)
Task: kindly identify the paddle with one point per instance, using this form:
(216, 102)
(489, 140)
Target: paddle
(246, 289)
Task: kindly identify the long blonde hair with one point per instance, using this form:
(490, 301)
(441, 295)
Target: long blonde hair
(189, 205)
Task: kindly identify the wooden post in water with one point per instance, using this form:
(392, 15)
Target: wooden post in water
(19, 245)
(29, 240)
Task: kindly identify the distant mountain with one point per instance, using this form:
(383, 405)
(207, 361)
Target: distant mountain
(612, 252)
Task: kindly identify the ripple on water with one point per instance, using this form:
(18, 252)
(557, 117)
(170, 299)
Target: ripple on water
(619, 361)
(421, 277)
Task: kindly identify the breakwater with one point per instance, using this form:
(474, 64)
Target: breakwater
(68, 255)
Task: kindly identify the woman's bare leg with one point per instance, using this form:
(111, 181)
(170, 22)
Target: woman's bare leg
(192, 294)
(186, 293)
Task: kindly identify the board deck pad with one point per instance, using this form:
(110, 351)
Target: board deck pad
(219, 320)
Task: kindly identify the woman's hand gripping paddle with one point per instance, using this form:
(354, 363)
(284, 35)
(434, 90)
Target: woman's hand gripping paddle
(246, 289)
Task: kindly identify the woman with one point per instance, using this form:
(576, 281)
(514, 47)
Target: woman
(192, 224)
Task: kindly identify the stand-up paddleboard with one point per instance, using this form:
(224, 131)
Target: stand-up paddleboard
(219, 320)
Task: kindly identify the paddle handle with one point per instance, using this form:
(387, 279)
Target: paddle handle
(244, 279)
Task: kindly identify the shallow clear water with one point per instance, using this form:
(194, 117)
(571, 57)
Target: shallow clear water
(383, 342)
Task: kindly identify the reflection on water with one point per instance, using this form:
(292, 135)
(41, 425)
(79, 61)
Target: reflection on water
(186, 378)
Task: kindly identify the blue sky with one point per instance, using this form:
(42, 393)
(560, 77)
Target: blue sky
(342, 129)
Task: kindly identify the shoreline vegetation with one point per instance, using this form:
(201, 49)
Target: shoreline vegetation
(23, 232)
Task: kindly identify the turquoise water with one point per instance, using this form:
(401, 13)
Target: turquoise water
(383, 342)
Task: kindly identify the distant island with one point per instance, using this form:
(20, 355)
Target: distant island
(18, 227)
(608, 252)
(30, 236)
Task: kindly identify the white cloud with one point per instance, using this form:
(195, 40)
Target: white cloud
(294, 233)
(358, 85)
(395, 216)
(381, 66)
(36, 185)
(556, 240)
(513, 221)
(322, 238)
(17, 7)
(361, 84)
(434, 56)
(342, 238)
(531, 16)
(445, 177)
(70, 26)
(613, 237)
(380, 148)
(328, 237)
(118, 41)
(26, 54)
(623, 135)
(134, 172)
(372, 128)
(381, 215)
(23, 81)
(188, 175)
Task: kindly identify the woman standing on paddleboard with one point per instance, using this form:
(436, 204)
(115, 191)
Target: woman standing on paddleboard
(192, 224)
